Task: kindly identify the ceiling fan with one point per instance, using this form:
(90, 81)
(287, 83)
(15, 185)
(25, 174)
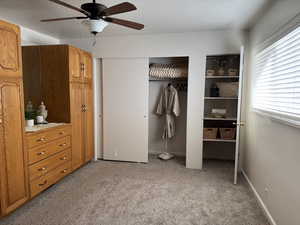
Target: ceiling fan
(97, 16)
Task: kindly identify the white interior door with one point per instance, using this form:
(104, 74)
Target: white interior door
(239, 122)
(125, 109)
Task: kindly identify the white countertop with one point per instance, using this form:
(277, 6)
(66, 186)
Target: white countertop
(39, 127)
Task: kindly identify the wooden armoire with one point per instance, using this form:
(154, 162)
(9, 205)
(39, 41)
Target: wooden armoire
(61, 77)
(13, 163)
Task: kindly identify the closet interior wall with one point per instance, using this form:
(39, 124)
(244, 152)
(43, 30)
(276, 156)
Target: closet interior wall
(176, 145)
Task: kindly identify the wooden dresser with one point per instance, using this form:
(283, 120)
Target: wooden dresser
(61, 76)
(49, 156)
(67, 72)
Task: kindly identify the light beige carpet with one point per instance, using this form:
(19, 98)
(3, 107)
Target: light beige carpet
(157, 193)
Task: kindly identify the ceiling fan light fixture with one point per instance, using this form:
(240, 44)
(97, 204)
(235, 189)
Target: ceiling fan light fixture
(95, 26)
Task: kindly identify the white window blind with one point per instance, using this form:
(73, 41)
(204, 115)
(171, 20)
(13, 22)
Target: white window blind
(277, 88)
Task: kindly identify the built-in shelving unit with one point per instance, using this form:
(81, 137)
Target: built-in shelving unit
(220, 69)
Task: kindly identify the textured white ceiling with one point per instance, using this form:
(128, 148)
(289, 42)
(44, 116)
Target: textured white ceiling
(159, 16)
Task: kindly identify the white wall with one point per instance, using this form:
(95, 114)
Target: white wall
(272, 154)
(194, 45)
(31, 37)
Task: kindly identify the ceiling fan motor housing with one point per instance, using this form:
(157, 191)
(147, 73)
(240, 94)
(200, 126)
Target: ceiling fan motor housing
(95, 9)
(95, 26)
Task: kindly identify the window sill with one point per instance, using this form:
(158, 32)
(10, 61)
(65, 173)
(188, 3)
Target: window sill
(279, 119)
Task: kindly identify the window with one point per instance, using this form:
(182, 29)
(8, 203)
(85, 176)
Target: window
(277, 88)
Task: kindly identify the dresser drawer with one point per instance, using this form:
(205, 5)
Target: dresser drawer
(40, 184)
(43, 167)
(40, 153)
(34, 140)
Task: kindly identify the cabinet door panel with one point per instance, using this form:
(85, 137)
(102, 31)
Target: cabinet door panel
(13, 164)
(76, 94)
(75, 65)
(87, 62)
(89, 122)
(10, 54)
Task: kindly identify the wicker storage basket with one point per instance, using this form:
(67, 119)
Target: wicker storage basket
(210, 133)
(167, 71)
(228, 89)
(227, 133)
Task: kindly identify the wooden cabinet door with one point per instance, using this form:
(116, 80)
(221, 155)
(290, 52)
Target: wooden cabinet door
(10, 54)
(76, 95)
(13, 166)
(88, 122)
(75, 65)
(87, 66)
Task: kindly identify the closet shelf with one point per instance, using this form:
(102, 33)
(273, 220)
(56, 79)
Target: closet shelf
(225, 119)
(222, 77)
(168, 79)
(219, 140)
(221, 98)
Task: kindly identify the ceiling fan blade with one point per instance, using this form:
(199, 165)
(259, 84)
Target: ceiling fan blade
(120, 8)
(64, 18)
(70, 6)
(125, 23)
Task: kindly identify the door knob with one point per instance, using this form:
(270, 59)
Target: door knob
(239, 124)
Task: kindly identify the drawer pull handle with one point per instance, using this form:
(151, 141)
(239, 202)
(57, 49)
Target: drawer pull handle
(64, 171)
(62, 145)
(62, 132)
(63, 158)
(42, 184)
(42, 169)
(41, 139)
(41, 153)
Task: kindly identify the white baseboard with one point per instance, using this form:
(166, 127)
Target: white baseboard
(260, 201)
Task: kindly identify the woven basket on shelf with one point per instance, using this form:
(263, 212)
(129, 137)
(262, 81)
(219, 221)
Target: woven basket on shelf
(227, 133)
(210, 133)
(167, 71)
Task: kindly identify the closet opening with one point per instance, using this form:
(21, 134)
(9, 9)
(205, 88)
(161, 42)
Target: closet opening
(221, 108)
(168, 85)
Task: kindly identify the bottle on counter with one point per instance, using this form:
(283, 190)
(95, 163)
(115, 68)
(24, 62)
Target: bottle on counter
(42, 113)
(29, 111)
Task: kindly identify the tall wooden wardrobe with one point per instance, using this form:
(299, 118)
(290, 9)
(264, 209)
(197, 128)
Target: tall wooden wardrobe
(13, 175)
(62, 78)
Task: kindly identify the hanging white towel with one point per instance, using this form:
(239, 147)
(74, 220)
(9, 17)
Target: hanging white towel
(169, 105)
